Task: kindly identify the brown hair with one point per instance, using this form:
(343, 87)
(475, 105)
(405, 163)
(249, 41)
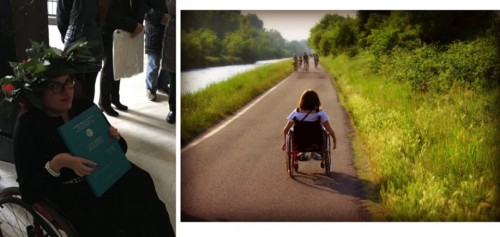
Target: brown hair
(309, 100)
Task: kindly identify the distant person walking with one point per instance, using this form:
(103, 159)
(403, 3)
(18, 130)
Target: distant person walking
(168, 58)
(316, 60)
(78, 19)
(306, 61)
(300, 61)
(156, 18)
(126, 15)
(295, 61)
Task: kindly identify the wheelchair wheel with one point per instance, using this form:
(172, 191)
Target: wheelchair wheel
(291, 164)
(327, 156)
(18, 218)
(54, 224)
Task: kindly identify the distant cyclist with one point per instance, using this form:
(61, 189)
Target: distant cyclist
(316, 60)
(306, 61)
(300, 61)
(295, 61)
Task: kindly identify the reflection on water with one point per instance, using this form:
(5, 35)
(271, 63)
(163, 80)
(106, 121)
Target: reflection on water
(194, 80)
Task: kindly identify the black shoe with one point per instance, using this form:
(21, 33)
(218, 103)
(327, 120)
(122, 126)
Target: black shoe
(171, 117)
(163, 91)
(151, 95)
(304, 157)
(108, 110)
(119, 106)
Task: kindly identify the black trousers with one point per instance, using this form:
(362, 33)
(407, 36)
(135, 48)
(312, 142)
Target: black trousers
(85, 85)
(171, 92)
(130, 206)
(110, 89)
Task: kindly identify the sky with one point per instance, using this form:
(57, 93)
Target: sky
(293, 24)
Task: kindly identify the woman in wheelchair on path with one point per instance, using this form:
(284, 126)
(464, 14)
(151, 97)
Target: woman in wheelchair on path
(309, 110)
(45, 168)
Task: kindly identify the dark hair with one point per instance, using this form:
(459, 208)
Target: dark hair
(309, 100)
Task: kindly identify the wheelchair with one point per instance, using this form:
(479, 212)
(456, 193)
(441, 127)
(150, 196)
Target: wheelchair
(308, 137)
(17, 218)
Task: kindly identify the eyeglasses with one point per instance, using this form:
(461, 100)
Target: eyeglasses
(58, 87)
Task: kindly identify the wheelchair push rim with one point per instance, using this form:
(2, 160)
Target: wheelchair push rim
(327, 156)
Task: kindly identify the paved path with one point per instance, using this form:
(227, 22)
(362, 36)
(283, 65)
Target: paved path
(239, 172)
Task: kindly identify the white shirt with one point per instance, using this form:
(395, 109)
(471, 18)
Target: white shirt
(310, 118)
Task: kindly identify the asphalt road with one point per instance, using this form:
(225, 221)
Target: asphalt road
(237, 170)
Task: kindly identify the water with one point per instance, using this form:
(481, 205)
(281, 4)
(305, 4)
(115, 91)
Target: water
(194, 80)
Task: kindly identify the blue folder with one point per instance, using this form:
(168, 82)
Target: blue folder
(87, 136)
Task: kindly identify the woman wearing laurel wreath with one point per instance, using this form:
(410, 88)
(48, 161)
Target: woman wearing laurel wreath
(44, 86)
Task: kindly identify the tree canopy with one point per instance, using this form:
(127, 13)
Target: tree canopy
(210, 38)
(382, 31)
(435, 44)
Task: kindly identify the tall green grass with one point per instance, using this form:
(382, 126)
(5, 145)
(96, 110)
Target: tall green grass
(203, 109)
(432, 155)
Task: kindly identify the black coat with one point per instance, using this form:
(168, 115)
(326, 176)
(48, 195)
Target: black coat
(124, 15)
(168, 51)
(155, 9)
(80, 19)
(36, 141)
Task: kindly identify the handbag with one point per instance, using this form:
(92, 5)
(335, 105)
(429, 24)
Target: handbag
(128, 54)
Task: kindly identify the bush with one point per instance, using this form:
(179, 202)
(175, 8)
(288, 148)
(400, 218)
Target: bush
(473, 62)
(437, 68)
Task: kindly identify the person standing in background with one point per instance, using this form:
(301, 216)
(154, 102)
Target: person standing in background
(126, 15)
(156, 18)
(78, 19)
(168, 58)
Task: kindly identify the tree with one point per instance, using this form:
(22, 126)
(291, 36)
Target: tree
(227, 37)
(197, 46)
(221, 22)
(254, 21)
(333, 34)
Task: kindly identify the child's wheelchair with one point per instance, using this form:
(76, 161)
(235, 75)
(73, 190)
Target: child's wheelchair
(308, 137)
(18, 218)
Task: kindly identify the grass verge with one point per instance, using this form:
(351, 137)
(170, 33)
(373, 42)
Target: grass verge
(430, 156)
